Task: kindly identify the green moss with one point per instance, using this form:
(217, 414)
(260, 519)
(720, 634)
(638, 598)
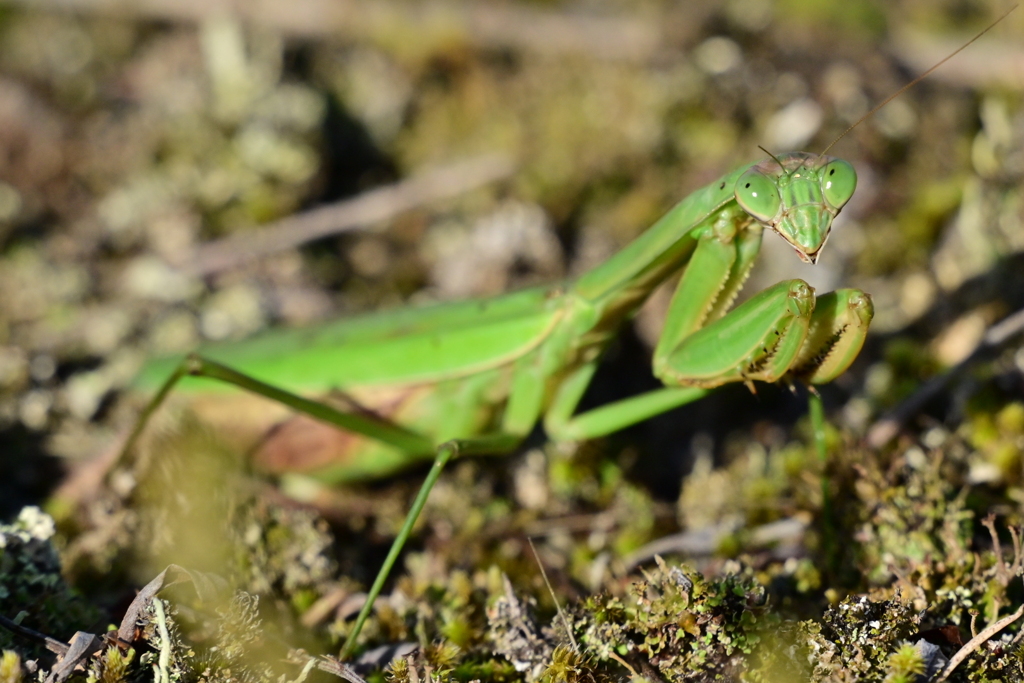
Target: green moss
(32, 590)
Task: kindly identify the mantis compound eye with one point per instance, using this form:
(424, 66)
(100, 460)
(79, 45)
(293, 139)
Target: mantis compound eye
(838, 181)
(758, 195)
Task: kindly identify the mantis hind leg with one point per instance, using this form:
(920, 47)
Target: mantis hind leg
(445, 452)
(197, 366)
(364, 424)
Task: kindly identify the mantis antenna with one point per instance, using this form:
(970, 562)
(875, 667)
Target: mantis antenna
(914, 82)
(771, 155)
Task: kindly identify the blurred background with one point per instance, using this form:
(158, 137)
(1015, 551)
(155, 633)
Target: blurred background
(176, 172)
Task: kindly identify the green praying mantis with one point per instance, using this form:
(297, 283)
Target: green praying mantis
(475, 377)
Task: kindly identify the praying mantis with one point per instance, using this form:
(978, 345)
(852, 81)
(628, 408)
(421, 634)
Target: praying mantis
(475, 377)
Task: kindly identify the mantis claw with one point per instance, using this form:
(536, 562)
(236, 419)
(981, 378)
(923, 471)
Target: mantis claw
(836, 334)
(783, 333)
(757, 341)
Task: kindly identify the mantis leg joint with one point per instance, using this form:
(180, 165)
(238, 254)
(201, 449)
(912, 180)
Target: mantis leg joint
(193, 364)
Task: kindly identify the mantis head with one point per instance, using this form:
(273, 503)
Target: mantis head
(797, 195)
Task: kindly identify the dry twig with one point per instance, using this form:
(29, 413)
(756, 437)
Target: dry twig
(370, 207)
(489, 25)
(890, 424)
(976, 642)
